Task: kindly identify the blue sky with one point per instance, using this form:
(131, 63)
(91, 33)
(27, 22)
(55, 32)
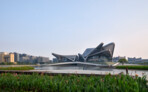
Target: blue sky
(40, 27)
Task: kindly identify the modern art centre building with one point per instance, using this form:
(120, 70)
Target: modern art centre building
(101, 53)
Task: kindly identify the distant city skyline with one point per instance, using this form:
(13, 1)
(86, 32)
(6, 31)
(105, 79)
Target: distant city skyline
(40, 27)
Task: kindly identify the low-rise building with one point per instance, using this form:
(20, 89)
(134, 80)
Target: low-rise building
(32, 59)
(22, 58)
(134, 59)
(42, 59)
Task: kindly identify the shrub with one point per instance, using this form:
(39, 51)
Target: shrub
(72, 83)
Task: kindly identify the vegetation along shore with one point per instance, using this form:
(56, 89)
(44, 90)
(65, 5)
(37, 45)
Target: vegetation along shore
(133, 67)
(72, 83)
(17, 68)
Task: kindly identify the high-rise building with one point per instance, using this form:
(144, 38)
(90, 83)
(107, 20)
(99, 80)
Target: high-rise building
(16, 57)
(6, 57)
(2, 54)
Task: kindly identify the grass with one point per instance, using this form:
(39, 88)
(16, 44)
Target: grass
(17, 68)
(133, 67)
(8, 63)
(71, 83)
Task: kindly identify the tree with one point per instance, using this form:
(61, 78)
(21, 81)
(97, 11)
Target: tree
(122, 61)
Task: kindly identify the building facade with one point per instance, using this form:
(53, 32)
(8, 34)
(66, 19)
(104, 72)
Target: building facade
(134, 59)
(6, 57)
(99, 54)
(22, 58)
(16, 57)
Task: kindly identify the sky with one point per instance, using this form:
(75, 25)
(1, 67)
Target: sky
(41, 27)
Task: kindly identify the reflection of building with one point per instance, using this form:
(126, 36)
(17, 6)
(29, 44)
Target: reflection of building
(100, 53)
(6, 57)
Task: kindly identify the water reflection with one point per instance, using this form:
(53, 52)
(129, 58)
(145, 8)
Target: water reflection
(68, 67)
(83, 69)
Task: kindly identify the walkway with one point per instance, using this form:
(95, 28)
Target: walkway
(80, 63)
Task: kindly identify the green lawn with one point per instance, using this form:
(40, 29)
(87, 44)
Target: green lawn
(133, 67)
(17, 68)
(71, 83)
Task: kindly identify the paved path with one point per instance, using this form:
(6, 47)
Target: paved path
(81, 63)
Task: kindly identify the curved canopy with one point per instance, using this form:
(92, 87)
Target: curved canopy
(69, 57)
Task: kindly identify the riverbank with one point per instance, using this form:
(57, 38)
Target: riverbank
(139, 73)
(17, 65)
(138, 67)
(57, 72)
(17, 68)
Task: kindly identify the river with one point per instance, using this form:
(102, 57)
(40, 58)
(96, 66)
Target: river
(81, 69)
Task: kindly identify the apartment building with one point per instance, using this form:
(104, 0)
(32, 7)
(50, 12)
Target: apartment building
(6, 57)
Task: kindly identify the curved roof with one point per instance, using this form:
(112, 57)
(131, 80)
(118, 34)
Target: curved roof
(100, 50)
(110, 47)
(69, 57)
(87, 52)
